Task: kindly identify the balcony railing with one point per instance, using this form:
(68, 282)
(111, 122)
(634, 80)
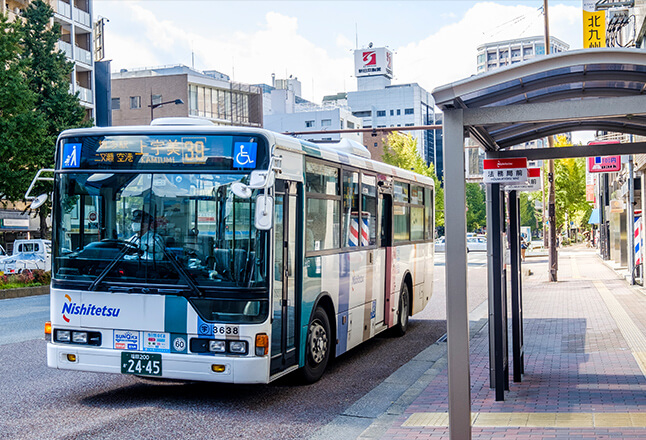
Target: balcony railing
(85, 95)
(65, 47)
(82, 17)
(64, 9)
(83, 56)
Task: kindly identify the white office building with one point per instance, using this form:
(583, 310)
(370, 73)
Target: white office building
(381, 104)
(504, 53)
(284, 111)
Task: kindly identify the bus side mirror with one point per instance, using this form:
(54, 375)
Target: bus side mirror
(264, 212)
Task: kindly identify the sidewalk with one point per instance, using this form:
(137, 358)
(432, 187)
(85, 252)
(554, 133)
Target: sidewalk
(585, 365)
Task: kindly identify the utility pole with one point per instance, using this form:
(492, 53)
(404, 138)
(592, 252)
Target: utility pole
(551, 197)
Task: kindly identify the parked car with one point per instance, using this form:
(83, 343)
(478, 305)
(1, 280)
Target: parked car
(440, 245)
(28, 255)
(477, 244)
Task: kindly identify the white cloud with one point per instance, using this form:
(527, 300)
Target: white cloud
(137, 37)
(449, 54)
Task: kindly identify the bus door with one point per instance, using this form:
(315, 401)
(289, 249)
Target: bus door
(386, 244)
(283, 333)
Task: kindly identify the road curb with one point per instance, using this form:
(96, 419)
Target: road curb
(371, 416)
(21, 292)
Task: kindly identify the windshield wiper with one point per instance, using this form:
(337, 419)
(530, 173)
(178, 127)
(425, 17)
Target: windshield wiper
(127, 246)
(182, 273)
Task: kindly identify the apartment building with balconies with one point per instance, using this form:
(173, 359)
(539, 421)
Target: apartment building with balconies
(75, 19)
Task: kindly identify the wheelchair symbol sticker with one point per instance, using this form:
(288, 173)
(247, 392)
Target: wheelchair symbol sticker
(71, 155)
(244, 154)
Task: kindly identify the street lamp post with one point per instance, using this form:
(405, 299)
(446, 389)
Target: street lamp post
(159, 104)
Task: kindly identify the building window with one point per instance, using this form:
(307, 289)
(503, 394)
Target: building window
(350, 124)
(399, 112)
(409, 111)
(326, 122)
(392, 113)
(408, 125)
(515, 53)
(528, 51)
(309, 124)
(364, 114)
(135, 102)
(116, 103)
(492, 56)
(381, 113)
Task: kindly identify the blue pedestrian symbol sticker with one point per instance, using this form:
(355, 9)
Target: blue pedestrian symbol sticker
(71, 155)
(244, 154)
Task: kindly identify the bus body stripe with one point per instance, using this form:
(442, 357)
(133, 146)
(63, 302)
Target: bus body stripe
(344, 303)
(175, 316)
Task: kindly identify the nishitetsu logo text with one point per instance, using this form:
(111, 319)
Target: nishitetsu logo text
(70, 308)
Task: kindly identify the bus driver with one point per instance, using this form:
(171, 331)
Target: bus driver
(150, 242)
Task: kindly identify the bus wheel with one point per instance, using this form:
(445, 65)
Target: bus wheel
(402, 315)
(318, 346)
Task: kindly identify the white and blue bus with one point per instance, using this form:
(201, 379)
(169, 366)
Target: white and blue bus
(229, 254)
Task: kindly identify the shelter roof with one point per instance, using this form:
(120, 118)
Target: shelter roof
(589, 74)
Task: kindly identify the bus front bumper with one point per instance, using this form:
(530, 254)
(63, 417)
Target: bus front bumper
(245, 369)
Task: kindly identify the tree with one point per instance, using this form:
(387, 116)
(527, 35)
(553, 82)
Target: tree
(20, 127)
(48, 73)
(569, 184)
(527, 211)
(476, 206)
(401, 151)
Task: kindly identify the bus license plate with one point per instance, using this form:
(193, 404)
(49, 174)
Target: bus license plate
(144, 364)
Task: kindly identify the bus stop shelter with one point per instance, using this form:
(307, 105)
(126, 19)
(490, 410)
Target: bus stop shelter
(599, 89)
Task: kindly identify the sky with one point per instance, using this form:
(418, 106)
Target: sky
(434, 42)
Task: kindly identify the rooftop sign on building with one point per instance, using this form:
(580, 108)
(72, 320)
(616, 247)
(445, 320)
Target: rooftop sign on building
(373, 61)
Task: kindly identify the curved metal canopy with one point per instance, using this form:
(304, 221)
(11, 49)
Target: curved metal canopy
(589, 74)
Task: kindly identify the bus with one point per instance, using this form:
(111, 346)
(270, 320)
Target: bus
(229, 254)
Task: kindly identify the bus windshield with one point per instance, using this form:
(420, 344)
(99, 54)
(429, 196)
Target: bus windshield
(157, 232)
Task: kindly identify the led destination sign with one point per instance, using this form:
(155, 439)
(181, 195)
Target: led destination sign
(155, 151)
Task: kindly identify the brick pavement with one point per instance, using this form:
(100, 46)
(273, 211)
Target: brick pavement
(582, 379)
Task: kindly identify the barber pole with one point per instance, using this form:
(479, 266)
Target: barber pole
(638, 241)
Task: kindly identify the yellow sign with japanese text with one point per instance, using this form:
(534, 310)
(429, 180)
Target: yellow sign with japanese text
(594, 26)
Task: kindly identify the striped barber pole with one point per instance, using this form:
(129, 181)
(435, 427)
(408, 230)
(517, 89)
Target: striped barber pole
(354, 232)
(638, 241)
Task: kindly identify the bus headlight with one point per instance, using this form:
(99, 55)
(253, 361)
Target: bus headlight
(79, 337)
(63, 336)
(217, 346)
(238, 347)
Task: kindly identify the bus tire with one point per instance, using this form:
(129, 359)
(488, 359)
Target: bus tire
(402, 314)
(318, 346)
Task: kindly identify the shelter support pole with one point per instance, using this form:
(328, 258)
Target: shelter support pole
(457, 311)
(516, 287)
(631, 218)
(498, 364)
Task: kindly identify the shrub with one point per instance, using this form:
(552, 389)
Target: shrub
(25, 279)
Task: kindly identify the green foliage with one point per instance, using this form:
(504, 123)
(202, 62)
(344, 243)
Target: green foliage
(21, 129)
(27, 278)
(477, 208)
(527, 210)
(35, 103)
(569, 184)
(401, 151)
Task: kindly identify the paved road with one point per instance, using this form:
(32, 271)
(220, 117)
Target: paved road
(37, 402)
